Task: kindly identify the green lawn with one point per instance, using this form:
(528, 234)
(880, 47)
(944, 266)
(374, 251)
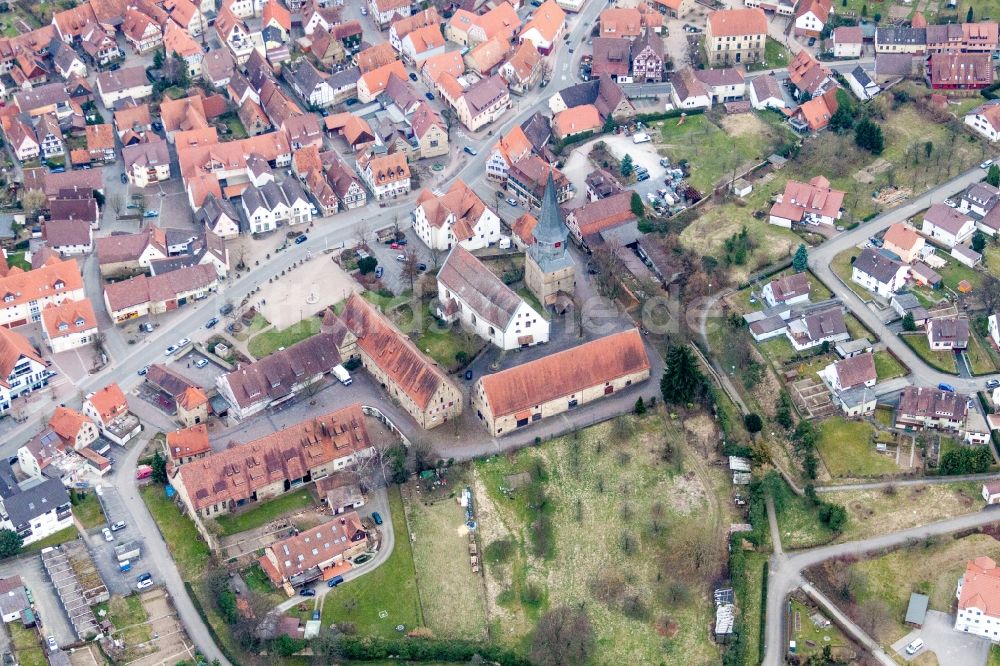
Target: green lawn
(798, 522)
(857, 329)
(778, 349)
(62, 536)
(883, 413)
(776, 56)
(129, 617)
(390, 589)
(712, 150)
(236, 129)
(272, 340)
(847, 449)
(955, 272)
(265, 512)
(183, 541)
(887, 367)
(443, 342)
(942, 360)
(385, 303)
(17, 259)
(978, 355)
(808, 633)
(994, 659)
(87, 510)
(991, 258)
(748, 587)
(27, 645)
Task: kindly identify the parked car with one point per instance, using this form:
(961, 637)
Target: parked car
(468, 375)
(183, 342)
(307, 592)
(377, 517)
(151, 213)
(642, 177)
(421, 266)
(170, 350)
(124, 179)
(812, 41)
(993, 383)
(302, 238)
(950, 203)
(413, 77)
(51, 642)
(364, 11)
(201, 363)
(120, 525)
(395, 246)
(226, 309)
(946, 387)
(143, 370)
(429, 96)
(915, 646)
(512, 201)
(144, 584)
(144, 576)
(379, 271)
(335, 581)
(400, 257)
(108, 536)
(211, 323)
(986, 165)
(470, 150)
(156, 125)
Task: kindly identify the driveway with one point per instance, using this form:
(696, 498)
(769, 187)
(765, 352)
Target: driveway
(950, 646)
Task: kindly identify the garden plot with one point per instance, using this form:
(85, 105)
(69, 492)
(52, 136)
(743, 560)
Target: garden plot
(813, 397)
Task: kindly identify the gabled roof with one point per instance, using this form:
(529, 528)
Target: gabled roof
(484, 57)
(584, 118)
(946, 218)
(424, 18)
(902, 236)
(14, 346)
(524, 60)
(187, 442)
(377, 79)
(376, 56)
(855, 371)
(548, 19)
(877, 265)
(564, 373)
(68, 318)
(596, 216)
(394, 353)
(736, 22)
(275, 11)
(981, 587)
(479, 287)
(109, 402)
(67, 422)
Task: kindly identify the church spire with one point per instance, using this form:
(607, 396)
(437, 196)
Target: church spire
(550, 229)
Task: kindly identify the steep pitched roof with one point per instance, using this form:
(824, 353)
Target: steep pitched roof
(736, 22)
(13, 346)
(487, 295)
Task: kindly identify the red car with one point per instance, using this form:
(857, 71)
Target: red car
(395, 246)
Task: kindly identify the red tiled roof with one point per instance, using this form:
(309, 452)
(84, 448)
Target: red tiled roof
(191, 441)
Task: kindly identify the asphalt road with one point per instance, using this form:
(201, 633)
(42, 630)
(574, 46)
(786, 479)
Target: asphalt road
(786, 569)
(819, 262)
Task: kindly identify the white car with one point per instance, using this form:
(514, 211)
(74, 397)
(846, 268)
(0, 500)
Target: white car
(143, 584)
(915, 646)
(986, 165)
(950, 203)
(108, 536)
(201, 363)
(400, 257)
(51, 642)
(183, 343)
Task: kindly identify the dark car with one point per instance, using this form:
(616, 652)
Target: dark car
(947, 388)
(307, 592)
(124, 179)
(302, 238)
(212, 322)
(421, 266)
(156, 125)
(377, 517)
(812, 41)
(413, 77)
(429, 96)
(226, 309)
(351, 102)
(468, 375)
(470, 150)
(335, 581)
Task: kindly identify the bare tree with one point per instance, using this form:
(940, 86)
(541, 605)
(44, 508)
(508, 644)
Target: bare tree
(545, 69)
(361, 234)
(117, 203)
(564, 637)
(411, 270)
(240, 251)
(33, 201)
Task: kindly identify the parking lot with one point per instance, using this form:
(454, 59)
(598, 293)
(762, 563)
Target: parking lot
(392, 276)
(116, 509)
(50, 613)
(950, 646)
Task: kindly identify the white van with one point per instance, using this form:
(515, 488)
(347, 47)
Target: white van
(915, 646)
(340, 372)
(641, 137)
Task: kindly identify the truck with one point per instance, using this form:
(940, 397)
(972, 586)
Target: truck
(341, 373)
(143, 472)
(124, 566)
(641, 137)
(127, 551)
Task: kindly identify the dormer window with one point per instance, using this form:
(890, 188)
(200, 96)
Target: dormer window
(79, 321)
(8, 298)
(59, 284)
(63, 326)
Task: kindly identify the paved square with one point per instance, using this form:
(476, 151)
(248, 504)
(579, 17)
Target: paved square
(950, 646)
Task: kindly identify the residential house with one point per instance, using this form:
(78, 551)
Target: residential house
(33, 512)
(811, 17)
(483, 102)
(272, 205)
(188, 15)
(315, 553)
(217, 68)
(812, 203)
(960, 71)
(878, 273)
(132, 118)
(187, 445)
(100, 142)
(472, 294)
(387, 176)
(647, 59)
(404, 26)
(687, 92)
(277, 17)
(511, 148)
(74, 429)
(621, 23)
(924, 407)
(603, 93)
(523, 68)
(905, 303)
(233, 32)
(851, 380)
(809, 77)
(21, 138)
(48, 98)
(787, 290)
(991, 493)
(900, 40)
(423, 390)
(985, 119)
(141, 32)
(545, 28)
(430, 131)
(723, 85)
(734, 36)
(345, 183)
(67, 63)
(147, 163)
(384, 12)
(218, 216)
(947, 225)
(22, 368)
(374, 82)
(519, 396)
(948, 333)
(108, 408)
(267, 467)
(980, 198)
(49, 137)
(422, 43)
(141, 295)
(457, 217)
(68, 237)
(373, 57)
(814, 329)
(815, 114)
(178, 41)
(278, 377)
(121, 255)
(127, 83)
(601, 183)
(318, 17)
(978, 595)
(903, 240)
(485, 59)
(978, 37)
(70, 325)
(847, 41)
(861, 84)
(13, 598)
(526, 180)
(27, 293)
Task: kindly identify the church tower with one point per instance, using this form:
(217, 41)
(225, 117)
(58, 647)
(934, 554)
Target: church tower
(548, 268)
